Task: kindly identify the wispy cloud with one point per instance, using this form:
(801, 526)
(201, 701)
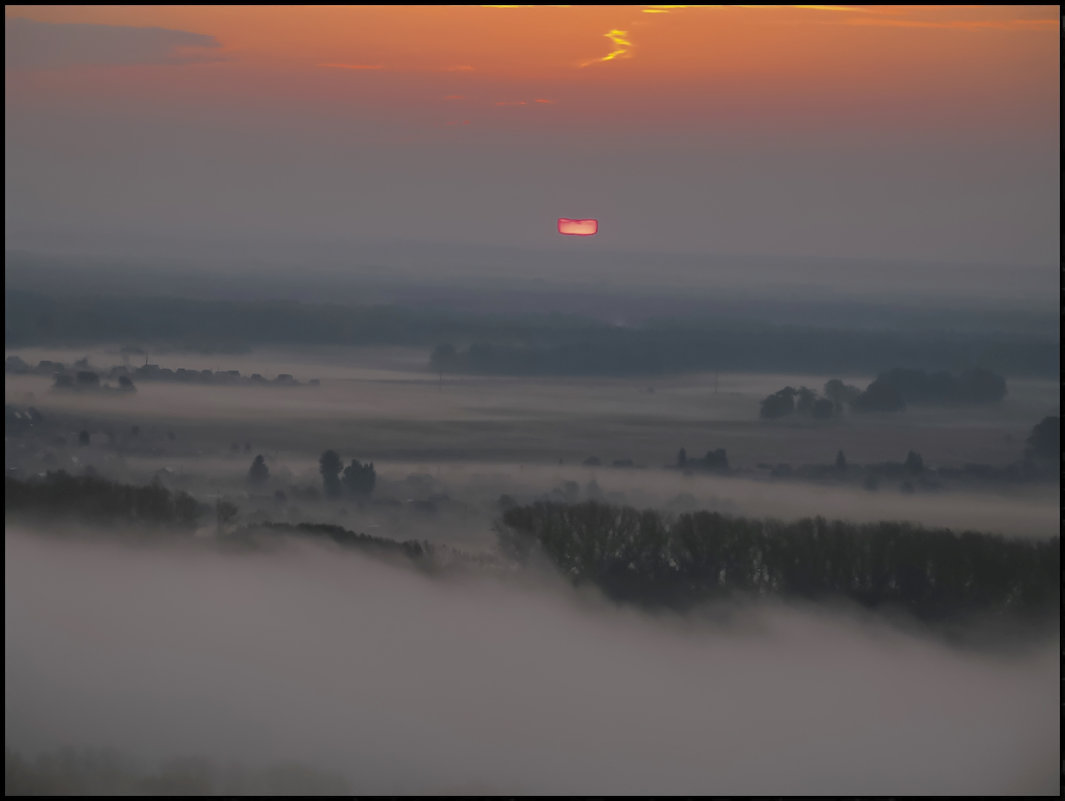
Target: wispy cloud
(665, 9)
(962, 25)
(621, 44)
(454, 97)
(33, 45)
(353, 66)
(540, 100)
(458, 68)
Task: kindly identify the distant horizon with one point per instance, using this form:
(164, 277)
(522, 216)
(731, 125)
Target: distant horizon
(111, 245)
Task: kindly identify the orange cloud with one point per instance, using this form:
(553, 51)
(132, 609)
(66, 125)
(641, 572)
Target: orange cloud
(353, 66)
(459, 68)
(621, 47)
(968, 25)
(523, 102)
(454, 97)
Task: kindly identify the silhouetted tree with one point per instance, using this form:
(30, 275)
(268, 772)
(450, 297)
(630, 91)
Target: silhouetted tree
(879, 396)
(329, 466)
(359, 479)
(259, 473)
(839, 393)
(804, 400)
(976, 385)
(1044, 442)
(914, 463)
(841, 461)
(778, 404)
(716, 460)
(682, 457)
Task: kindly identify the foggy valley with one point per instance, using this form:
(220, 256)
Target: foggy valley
(286, 664)
(532, 400)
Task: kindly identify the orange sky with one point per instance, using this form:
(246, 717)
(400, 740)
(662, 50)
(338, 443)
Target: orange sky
(461, 62)
(924, 131)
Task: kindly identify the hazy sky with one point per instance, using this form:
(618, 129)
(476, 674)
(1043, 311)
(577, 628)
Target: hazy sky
(868, 131)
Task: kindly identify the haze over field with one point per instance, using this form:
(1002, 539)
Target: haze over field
(405, 685)
(331, 468)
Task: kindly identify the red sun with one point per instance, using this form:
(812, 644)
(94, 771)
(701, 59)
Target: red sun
(577, 227)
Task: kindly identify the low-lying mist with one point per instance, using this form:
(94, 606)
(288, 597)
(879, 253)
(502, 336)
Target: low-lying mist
(406, 684)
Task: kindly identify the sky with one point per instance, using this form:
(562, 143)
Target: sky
(926, 133)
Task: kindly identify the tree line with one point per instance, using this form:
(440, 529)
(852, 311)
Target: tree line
(98, 500)
(655, 349)
(890, 391)
(656, 559)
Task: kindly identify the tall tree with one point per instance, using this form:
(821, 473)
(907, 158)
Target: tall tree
(259, 473)
(329, 466)
(841, 461)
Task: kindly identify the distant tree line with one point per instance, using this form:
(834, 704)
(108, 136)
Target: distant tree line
(656, 559)
(890, 391)
(416, 551)
(1044, 442)
(660, 349)
(105, 772)
(714, 461)
(543, 344)
(96, 500)
(357, 479)
(81, 376)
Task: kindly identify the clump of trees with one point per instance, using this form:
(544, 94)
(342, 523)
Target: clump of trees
(97, 500)
(88, 381)
(652, 558)
(975, 385)
(1044, 442)
(879, 396)
(802, 401)
(358, 480)
(890, 391)
(714, 461)
(418, 551)
(894, 389)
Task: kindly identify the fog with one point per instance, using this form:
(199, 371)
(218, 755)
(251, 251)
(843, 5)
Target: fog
(597, 280)
(354, 207)
(480, 437)
(405, 684)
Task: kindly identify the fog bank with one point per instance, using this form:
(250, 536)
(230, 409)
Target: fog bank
(409, 685)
